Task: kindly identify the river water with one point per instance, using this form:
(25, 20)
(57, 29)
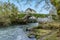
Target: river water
(16, 32)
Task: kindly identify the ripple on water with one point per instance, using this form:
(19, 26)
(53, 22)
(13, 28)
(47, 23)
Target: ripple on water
(16, 33)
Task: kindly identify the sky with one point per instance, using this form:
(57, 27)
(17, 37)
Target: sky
(23, 7)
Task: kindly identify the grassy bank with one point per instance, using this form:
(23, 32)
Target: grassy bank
(46, 28)
(36, 15)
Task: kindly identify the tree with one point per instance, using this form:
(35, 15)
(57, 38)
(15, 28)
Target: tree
(56, 3)
(8, 13)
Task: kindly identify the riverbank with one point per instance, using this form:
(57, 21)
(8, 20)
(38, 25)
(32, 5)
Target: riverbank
(45, 29)
(17, 18)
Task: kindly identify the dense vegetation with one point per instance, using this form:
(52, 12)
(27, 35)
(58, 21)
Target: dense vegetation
(8, 13)
(35, 14)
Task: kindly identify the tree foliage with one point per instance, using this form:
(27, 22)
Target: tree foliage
(56, 3)
(8, 13)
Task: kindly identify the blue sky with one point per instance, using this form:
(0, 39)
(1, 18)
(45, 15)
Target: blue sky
(23, 7)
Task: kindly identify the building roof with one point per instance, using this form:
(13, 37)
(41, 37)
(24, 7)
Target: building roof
(30, 10)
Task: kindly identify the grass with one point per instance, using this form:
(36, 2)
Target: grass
(40, 15)
(51, 25)
(52, 37)
(39, 32)
(36, 15)
(44, 32)
(21, 15)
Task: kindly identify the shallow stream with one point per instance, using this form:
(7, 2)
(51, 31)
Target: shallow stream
(16, 32)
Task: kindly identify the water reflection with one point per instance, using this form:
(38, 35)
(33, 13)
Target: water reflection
(16, 32)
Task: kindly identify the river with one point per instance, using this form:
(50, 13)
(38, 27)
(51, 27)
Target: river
(16, 32)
